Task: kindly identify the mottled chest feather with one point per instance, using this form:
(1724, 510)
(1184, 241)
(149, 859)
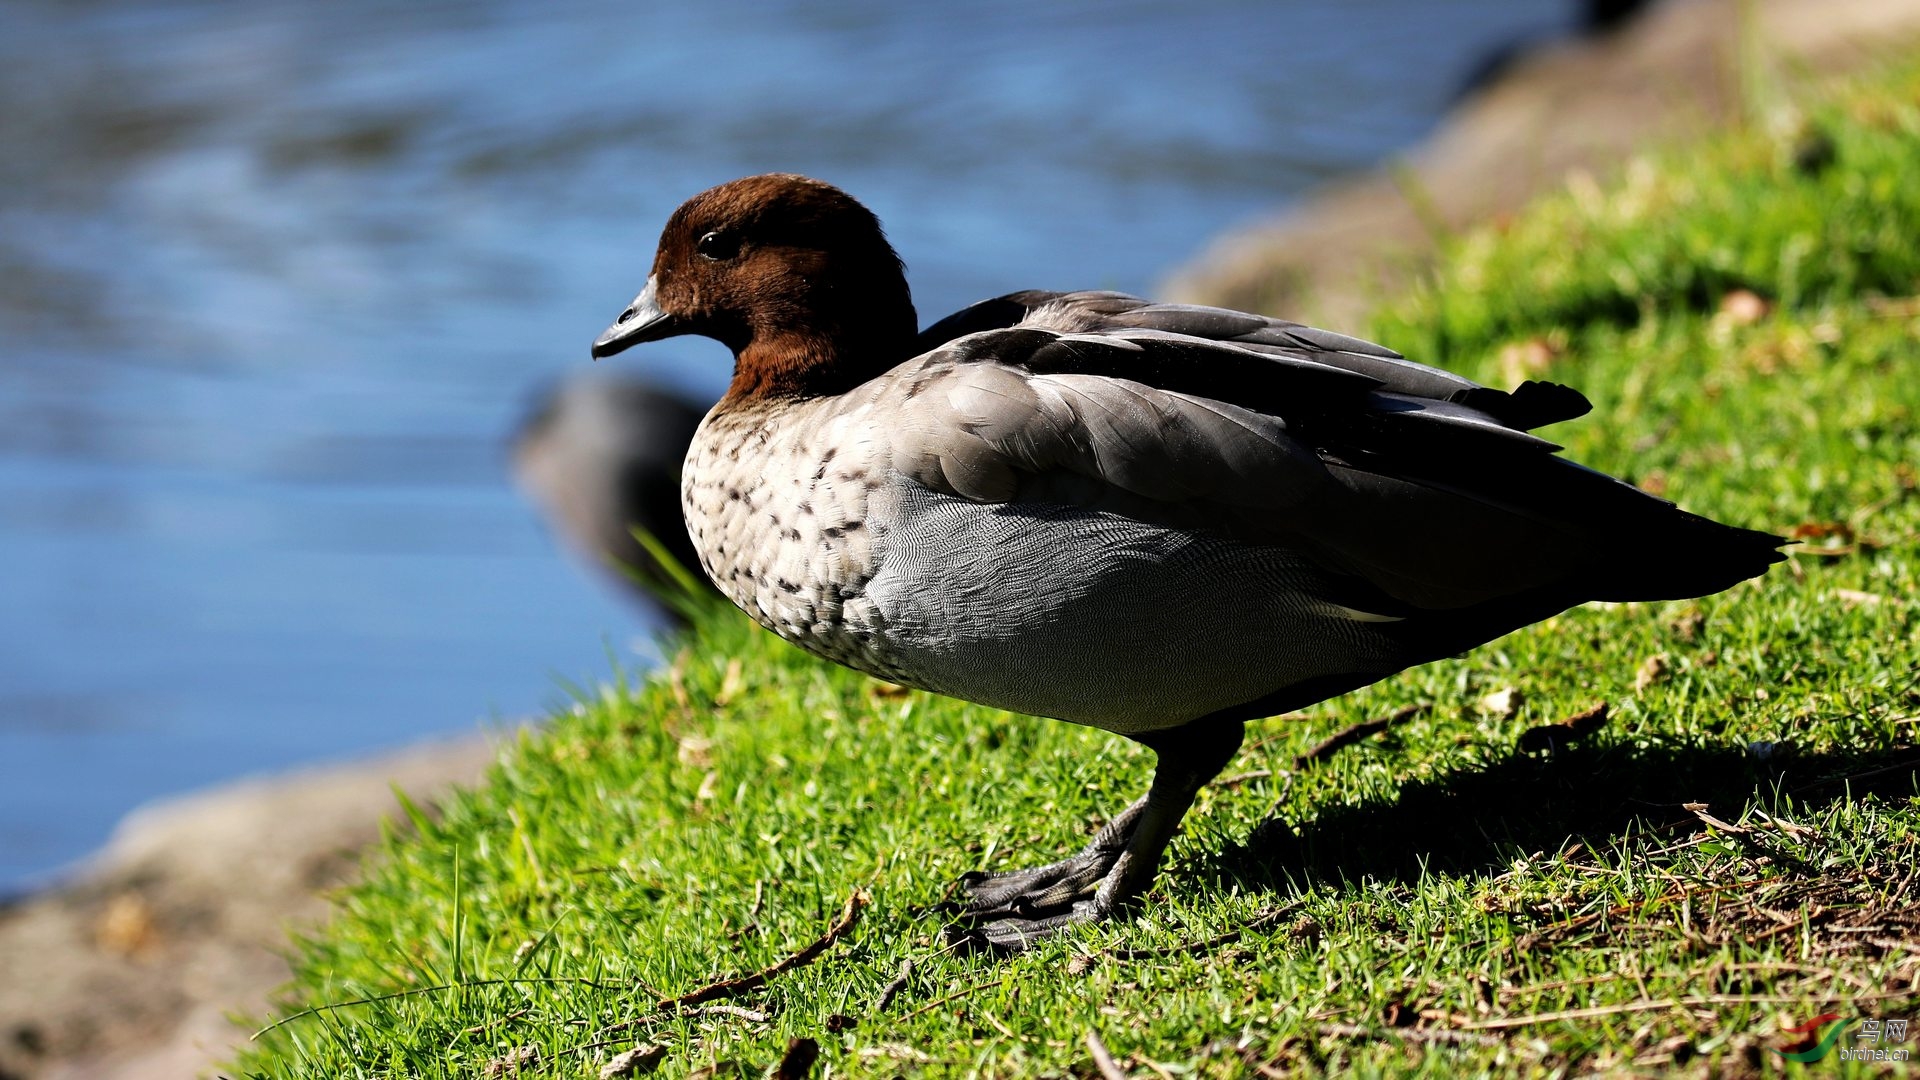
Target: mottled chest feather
(783, 505)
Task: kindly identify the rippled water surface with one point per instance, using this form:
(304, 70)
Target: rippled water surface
(276, 280)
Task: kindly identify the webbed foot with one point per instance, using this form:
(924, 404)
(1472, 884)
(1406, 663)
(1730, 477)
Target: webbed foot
(1006, 912)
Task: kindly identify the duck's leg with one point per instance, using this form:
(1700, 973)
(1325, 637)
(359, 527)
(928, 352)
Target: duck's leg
(1007, 911)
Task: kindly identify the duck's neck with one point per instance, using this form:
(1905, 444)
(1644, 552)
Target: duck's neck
(830, 355)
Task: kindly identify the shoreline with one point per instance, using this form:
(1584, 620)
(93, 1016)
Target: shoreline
(128, 967)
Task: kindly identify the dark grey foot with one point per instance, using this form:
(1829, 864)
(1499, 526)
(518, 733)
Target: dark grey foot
(1005, 912)
(1009, 934)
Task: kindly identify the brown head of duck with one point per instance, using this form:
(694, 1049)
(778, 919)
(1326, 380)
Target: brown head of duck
(792, 274)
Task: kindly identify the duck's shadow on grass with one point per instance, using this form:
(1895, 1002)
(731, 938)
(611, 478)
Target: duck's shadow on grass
(1480, 819)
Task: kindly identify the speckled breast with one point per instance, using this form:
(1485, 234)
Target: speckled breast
(786, 507)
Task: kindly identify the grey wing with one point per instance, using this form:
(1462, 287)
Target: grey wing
(1394, 476)
(1447, 397)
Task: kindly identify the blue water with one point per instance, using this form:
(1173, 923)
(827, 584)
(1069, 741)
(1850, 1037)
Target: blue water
(276, 280)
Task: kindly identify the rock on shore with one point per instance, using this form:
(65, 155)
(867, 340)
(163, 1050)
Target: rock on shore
(1681, 70)
(129, 970)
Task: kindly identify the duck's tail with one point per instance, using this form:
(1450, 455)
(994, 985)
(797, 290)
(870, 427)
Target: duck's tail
(1680, 555)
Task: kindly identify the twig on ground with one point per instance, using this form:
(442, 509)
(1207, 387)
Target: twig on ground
(1892, 945)
(1241, 778)
(1551, 738)
(1153, 1066)
(751, 1016)
(895, 1050)
(892, 989)
(1699, 810)
(640, 1059)
(727, 988)
(1351, 734)
(1102, 1059)
(1444, 1036)
(514, 1060)
(998, 1026)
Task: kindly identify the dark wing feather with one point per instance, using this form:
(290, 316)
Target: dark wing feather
(995, 314)
(1533, 404)
(1422, 483)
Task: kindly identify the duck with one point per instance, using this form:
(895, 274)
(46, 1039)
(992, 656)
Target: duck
(600, 458)
(1161, 520)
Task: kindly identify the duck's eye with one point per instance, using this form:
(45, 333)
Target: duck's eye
(717, 245)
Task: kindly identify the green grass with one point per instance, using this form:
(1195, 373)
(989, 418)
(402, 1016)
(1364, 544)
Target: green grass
(1432, 900)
